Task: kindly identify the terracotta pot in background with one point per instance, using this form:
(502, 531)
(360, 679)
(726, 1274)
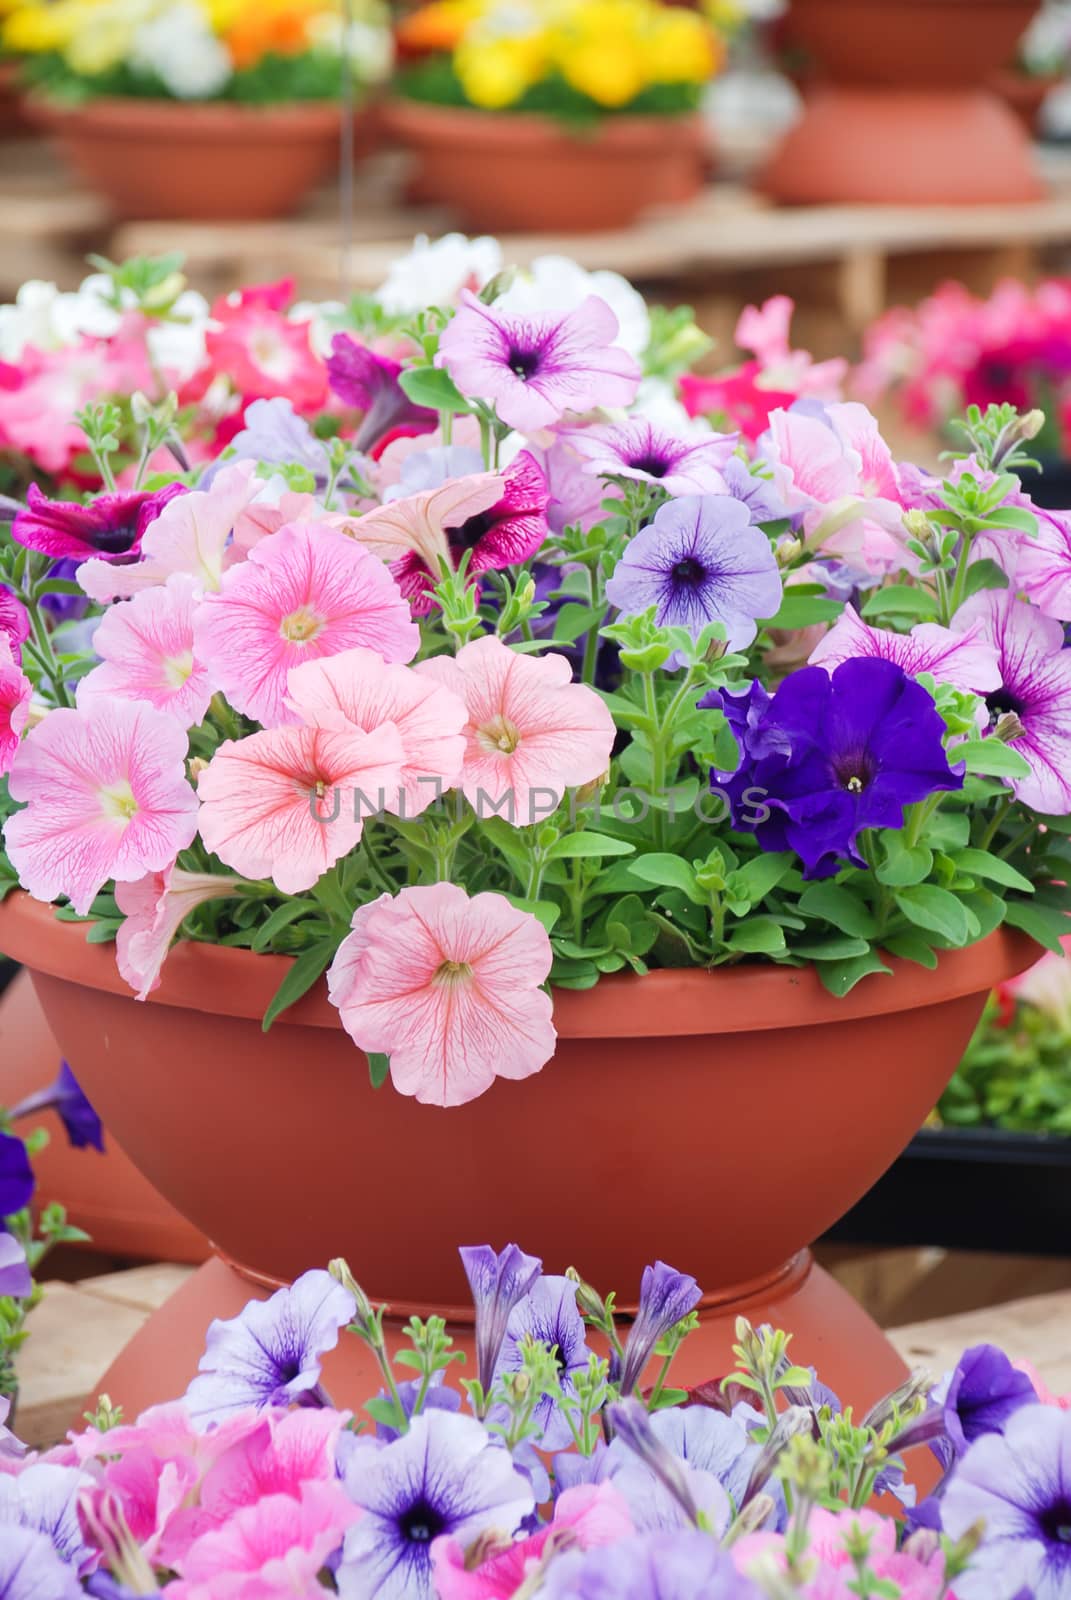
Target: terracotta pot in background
(14, 123)
(719, 1121)
(213, 161)
(104, 1194)
(1025, 93)
(897, 106)
(512, 173)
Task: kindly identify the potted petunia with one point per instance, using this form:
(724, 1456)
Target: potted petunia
(196, 111)
(570, 117)
(470, 775)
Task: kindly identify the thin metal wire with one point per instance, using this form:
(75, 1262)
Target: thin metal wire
(346, 163)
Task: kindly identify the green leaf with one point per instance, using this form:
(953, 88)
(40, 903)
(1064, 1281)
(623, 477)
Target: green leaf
(102, 932)
(837, 905)
(981, 864)
(378, 1069)
(434, 388)
(1044, 923)
(837, 947)
(757, 877)
(901, 601)
(984, 575)
(937, 910)
(1014, 518)
(280, 918)
(572, 621)
(758, 936)
(910, 945)
(841, 976)
(588, 844)
(306, 969)
(545, 910)
(904, 864)
(990, 758)
(666, 871)
(802, 610)
(507, 840)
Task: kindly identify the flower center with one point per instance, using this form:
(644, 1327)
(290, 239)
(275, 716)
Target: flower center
(115, 541)
(421, 1523)
(689, 571)
(524, 364)
(1055, 1523)
(654, 466)
(301, 625)
(177, 669)
(270, 353)
(499, 736)
(855, 771)
(1002, 700)
(452, 972)
(472, 530)
(117, 800)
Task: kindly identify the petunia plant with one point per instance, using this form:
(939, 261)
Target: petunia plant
(443, 651)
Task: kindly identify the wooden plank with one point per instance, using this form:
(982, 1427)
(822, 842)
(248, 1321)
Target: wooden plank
(73, 1340)
(143, 1288)
(1037, 1330)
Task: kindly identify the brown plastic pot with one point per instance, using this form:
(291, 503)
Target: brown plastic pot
(216, 161)
(511, 173)
(719, 1121)
(898, 109)
(104, 1194)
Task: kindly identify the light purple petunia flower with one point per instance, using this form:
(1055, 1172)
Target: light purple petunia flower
(270, 1354)
(701, 560)
(1019, 1484)
(44, 1496)
(575, 496)
(964, 659)
(30, 1569)
(534, 369)
(15, 1277)
(1035, 674)
(549, 1313)
(497, 1283)
(65, 1097)
(639, 449)
(714, 1448)
(447, 1475)
(663, 1491)
(275, 434)
(370, 382)
(661, 1566)
(757, 493)
(666, 1297)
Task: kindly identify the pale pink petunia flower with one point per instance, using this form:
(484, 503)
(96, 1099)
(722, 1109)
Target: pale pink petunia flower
(190, 535)
(15, 692)
(276, 1547)
(764, 330)
(532, 732)
(417, 523)
(306, 592)
(106, 797)
(359, 689)
(154, 908)
(965, 660)
(146, 650)
(288, 803)
(449, 988)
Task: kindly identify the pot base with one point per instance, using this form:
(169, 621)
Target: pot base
(887, 146)
(831, 1332)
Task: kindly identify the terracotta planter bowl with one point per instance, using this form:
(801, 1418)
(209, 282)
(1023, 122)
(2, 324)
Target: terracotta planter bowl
(13, 120)
(511, 173)
(104, 1194)
(898, 108)
(718, 1121)
(164, 160)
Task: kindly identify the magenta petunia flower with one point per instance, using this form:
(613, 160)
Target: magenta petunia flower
(146, 651)
(275, 1547)
(369, 382)
(532, 732)
(641, 450)
(358, 689)
(154, 909)
(1035, 674)
(14, 621)
(449, 987)
(305, 592)
(965, 660)
(535, 369)
(15, 693)
(105, 795)
(111, 526)
(288, 803)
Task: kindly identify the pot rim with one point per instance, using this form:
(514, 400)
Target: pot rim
(471, 125)
(667, 1003)
(195, 118)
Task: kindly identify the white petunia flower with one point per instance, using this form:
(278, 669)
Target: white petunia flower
(557, 283)
(434, 272)
(181, 49)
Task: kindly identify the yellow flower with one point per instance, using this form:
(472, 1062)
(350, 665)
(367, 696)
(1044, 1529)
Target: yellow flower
(609, 70)
(495, 72)
(682, 49)
(34, 28)
(101, 44)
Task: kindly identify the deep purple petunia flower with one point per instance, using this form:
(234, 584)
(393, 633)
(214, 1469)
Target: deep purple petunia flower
(14, 621)
(65, 1097)
(369, 383)
(30, 1569)
(979, 1396)
(659, 1566)
(447, 1475)
(533, 369)
(548, 1313)
(701, 560)
(270, 1354)
(111, 526)
(497, 1283)
(666, 1297)
(1019, 1484)
(639, 449)
(829, 756)
(44, 1496)
(15, 1278)
(16, 1175)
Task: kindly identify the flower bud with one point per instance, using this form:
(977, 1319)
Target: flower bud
(588, 1300)
(917, 524)
(1031, 424)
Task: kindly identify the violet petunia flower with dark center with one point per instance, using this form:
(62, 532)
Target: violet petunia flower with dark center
(497, 1282)
(65, 1097)
(666, 1297)
(370, 383)
(270, 1354)
(549, 1314)
(639, 449)
(979, 1396)
(831, 755)
(112, 526)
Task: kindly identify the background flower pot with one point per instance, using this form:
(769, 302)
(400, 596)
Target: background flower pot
(213, 161)
(13, 120)
(1025, 93)
(104, 1194)
(718, 1121)
(898, 108)
(514, 173)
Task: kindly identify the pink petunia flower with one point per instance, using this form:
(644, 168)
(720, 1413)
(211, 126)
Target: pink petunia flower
(288, 803)
(532, 732)
(1044, 1393)
(740, 396)
(146, 651)
(833, 1573)
(965, 660)
(274, 1548)
(15, 693)
(764, 331)
(414, 525)
(262, 351)
(535, 369)
(14, 621)
(154, 909)
(358, 689)
(305, 592)
(37, 407)
(449, 988)
(106, 797)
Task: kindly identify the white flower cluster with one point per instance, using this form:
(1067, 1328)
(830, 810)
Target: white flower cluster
(179, 47)
(43, 317)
